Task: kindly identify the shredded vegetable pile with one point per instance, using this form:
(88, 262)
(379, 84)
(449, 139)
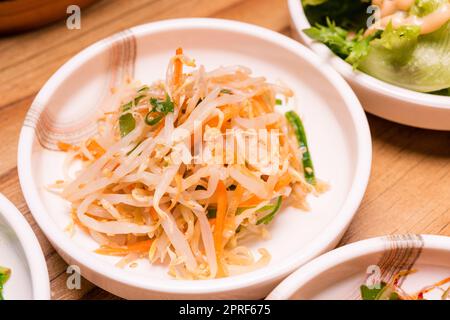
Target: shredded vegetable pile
(393, 290)
(145, 190)
(402, 42)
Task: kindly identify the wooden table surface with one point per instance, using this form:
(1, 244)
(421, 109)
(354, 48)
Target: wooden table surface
(409, 189)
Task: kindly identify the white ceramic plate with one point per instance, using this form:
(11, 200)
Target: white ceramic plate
(336, 125)
(378, 97)
(338, 274)
(20, 251)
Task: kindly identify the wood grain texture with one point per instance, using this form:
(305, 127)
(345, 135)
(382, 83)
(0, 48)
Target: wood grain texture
(409, 190)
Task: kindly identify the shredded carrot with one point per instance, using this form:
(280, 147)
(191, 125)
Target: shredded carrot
(138, 247)
(421, 293)
(253, 201)
(63, 146)
(154, 214)
(96, 150)
(221, 193)
(284, 181)
(77, 222)
(178, 67)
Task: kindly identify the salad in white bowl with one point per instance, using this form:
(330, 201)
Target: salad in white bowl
(393, 53)
(402, 42)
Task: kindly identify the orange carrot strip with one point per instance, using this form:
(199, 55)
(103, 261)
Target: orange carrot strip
(220, 216)
(178, 68)
(138, 247)
(63, 146)
(284, 181)
(96, 149)
(154, 214)
(253, 201)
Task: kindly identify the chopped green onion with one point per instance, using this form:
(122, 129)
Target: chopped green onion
(127, 106)
(297, 125)
(162, 106)
(226, 91)
(138, 99)
(269, 217)
(151, 120)
(127, 123)
(134, 148)
(143, 88)
(278, 102)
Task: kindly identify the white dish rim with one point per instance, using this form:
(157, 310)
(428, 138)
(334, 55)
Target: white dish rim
(33, 253)
(427, 100)
(341, 255)
(333, 232)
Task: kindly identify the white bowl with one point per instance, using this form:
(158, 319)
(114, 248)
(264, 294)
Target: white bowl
(336, 125)
(338, 274)
(378, 97)
(20, 251)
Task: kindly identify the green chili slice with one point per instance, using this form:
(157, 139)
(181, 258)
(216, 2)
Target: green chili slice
(269, 217)
(297, 126)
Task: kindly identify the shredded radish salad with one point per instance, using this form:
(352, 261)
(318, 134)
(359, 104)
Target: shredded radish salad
(188, 169)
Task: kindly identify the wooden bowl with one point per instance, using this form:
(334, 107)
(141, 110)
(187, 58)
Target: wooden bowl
(22, 15)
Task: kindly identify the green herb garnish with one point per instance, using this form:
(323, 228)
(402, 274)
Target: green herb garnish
(159, 111)
(162, 106)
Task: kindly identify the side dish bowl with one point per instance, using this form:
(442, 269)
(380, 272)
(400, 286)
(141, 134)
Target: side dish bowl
(338, 274)
(22, 254)
(337, 129)
(378, 97)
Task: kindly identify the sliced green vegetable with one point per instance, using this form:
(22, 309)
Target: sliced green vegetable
(5, 274)
(134, 148)
(151, 119)
(138, 99)
(278, 102)
(127, 106)
(143, 89)
(371, 293)
(299, 130)
(127, 123)
(383, 292)
(269, 217)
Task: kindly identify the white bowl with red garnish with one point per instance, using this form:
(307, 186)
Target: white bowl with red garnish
(418, 266)
(22, 263)
(338, 134)
(424, 110)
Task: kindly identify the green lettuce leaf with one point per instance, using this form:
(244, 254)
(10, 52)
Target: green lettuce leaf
(406, 59)
(425, 7)
(346, 44)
